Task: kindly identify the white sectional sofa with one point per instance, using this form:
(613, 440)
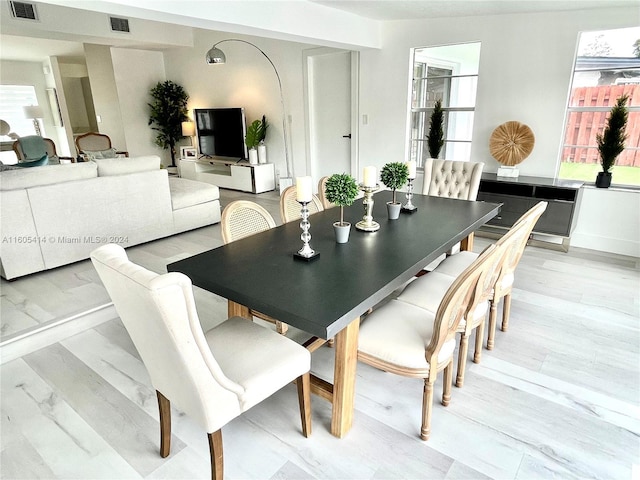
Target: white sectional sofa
(55, 215)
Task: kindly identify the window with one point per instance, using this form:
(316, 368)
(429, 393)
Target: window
(448, 73)
(13, 98)
(607, 66)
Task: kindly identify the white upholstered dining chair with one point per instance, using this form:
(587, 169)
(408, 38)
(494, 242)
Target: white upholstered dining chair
(503, 285)
(407, 340)
(212, 376)
(290, 208)
(453, 179)
(240, 219)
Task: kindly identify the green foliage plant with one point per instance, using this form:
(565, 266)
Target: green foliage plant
(262, 134)
(168, 111)
(394, 175)
(435, 137)
(341, 189)
(252, 138)
(611, 141)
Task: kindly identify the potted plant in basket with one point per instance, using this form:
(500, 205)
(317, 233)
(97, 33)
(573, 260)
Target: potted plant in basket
(435, 137)
(252, 140)
(341, 189)
(611, 141)
(262, 134)
(394, 175)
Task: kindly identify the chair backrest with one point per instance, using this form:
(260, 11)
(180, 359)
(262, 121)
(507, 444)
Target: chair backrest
(517, 238)
(160, 316)
(36, 148)
(243, 218)
(454, 179)
(460, 298)
(323, 198)
(290, 208)
(92, 142)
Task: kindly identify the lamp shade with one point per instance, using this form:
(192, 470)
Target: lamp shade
(215, 55)
(33, 111)
(188, 129)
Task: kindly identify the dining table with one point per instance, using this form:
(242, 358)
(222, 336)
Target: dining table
(327, 296)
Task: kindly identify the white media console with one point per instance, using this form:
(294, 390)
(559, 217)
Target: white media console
(230, 174)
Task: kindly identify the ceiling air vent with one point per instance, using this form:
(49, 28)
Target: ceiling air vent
(24, 10)
(119, 24)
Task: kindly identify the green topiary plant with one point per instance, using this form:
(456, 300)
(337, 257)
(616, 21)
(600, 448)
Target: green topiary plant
(611, 141)
(168, 111)
(341, 189)
(394, 175)
(435, 137)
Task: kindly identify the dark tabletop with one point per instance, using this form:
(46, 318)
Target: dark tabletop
(324, 296)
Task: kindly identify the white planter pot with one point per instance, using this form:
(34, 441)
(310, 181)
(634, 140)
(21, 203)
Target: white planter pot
(342, 231)
(262, 153)
(394, 210)
(253, 156)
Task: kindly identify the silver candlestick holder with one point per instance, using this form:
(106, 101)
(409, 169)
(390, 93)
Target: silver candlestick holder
(367, 224)
(409, 207)
(306, 253)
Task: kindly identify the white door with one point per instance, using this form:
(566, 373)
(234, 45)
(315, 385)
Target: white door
(331, 137)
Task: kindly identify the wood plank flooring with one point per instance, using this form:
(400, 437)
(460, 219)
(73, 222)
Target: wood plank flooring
(558, 397)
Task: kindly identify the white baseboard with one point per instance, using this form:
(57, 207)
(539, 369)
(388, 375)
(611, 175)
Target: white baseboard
(41, 336)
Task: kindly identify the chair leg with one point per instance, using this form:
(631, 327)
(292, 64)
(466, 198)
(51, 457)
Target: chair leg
(164, 406)
(462, 359)
(304, 399)
(493, 315)
(506, 311)
(427, 402)
(446, 383)
(479, 336)
(215, 449)
(281, 328)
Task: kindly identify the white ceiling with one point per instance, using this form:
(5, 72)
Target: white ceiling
(411, 9)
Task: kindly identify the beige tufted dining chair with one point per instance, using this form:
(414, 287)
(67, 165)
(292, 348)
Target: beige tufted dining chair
(290, 208)
(503, 285)
(453, 179)
(407, 340)
(95, 142)
(212, 376)
(240, 219)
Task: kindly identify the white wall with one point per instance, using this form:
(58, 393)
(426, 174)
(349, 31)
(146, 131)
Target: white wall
(248, 80)
(525, 69)
(135, 73)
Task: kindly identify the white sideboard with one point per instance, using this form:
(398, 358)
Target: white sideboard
(230, 174)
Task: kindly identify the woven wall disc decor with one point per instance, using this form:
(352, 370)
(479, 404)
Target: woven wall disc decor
(511, 142)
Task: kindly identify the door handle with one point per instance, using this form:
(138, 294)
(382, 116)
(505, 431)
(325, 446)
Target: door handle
(346, 136)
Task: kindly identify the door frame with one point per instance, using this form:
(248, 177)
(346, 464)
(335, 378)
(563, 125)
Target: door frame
(307, 56)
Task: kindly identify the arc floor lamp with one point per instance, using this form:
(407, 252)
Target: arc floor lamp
(216, 56)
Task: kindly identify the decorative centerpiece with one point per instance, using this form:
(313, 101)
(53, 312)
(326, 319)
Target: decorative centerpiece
(341, 189)
(394, 175)
(611, 141)
(369, 185)
(410, 207)
(304, 194)
(510, 143)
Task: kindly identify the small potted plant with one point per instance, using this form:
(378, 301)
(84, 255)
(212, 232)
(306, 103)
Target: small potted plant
(341, 189)
(262, 134)
(611, 140)
(435, 137)
(394, 175)
(252, 140)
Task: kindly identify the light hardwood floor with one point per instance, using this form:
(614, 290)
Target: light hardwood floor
(559, 397)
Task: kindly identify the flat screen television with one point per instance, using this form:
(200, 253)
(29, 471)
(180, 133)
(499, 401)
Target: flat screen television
(221, 132)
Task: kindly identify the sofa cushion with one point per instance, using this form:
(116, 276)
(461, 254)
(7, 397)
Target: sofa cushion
(124, 166)
(97, 154)
(46, 175)
(187, 193)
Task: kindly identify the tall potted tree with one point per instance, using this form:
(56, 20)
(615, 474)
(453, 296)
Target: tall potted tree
(435, 137)
(168, 111)
(394, 175)
(341, 189)
(611, 140)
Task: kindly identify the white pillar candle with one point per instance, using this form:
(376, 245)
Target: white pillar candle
(369, 177)
(304, 189)
(411, 165)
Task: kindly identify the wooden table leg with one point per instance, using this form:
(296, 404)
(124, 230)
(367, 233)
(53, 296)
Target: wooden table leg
(236, 310)
(344, 378)
(467, 244)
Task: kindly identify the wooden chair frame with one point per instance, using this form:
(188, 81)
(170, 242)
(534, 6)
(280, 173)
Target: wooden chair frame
(290, 208)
